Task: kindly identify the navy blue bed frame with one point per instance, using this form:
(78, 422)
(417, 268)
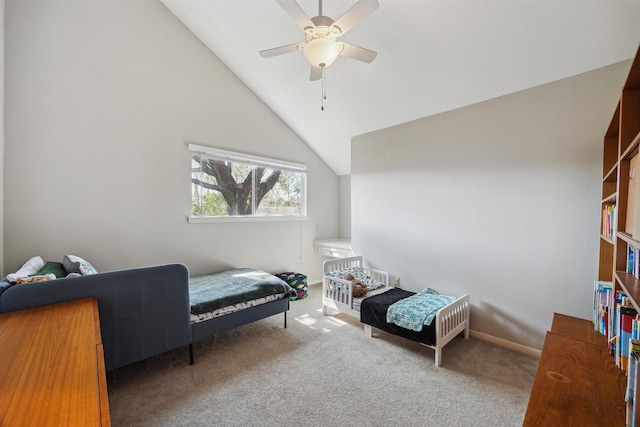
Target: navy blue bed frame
(216, 325)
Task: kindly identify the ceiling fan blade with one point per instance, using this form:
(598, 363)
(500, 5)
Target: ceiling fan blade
(357, 13)
(279, 50)
(296, 13)
(316, 73)
(358, 53)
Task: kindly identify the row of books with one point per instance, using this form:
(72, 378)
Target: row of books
(608, 221)
(619, 321)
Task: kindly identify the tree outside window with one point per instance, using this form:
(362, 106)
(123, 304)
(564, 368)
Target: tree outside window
(225, 188)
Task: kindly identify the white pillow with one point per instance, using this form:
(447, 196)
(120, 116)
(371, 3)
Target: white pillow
(30, 267)
(75, 264)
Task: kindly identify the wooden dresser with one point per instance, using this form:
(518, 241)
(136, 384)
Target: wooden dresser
(577, 382)
(52, 366)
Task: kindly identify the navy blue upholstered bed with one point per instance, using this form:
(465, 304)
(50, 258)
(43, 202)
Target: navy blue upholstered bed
(150, 310)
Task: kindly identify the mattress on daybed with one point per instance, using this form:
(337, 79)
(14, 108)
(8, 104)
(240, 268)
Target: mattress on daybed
(373, 311)
(231, 288)
(201, 317)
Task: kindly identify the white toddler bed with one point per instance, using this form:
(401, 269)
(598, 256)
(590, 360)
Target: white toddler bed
(449, 321)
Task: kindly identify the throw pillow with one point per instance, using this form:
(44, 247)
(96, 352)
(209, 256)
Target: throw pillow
(75, 264)
(30, 267)
(53, 267)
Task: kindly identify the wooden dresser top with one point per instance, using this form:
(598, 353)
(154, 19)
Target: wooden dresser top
(51, 366)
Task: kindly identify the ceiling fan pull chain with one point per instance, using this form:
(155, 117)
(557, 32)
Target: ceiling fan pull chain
(324, 91)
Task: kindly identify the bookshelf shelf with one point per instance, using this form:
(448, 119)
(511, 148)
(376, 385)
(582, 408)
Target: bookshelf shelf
(607, 239)
(631, 286)
(628, 239)
(610, 199)
(632, 150)
(611, 175)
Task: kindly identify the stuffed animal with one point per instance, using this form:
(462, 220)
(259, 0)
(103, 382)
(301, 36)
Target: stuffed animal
(40, 278)
(357, 288)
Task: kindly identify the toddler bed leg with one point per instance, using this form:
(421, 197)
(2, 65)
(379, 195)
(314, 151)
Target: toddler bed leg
(367, 330)
(191, 354)
(285, 320)
(438, 356)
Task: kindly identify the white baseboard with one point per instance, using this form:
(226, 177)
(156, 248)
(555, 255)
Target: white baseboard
(505, 343)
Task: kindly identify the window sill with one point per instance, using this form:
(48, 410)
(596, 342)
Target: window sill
(209, 219)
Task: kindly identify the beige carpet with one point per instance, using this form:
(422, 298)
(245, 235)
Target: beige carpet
(322, 371)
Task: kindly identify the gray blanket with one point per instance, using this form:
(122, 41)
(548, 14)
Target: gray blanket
(214, 291)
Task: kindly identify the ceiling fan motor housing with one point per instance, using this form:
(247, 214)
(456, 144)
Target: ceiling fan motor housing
(321, 49)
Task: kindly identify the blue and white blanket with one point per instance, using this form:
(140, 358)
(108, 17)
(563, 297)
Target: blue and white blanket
(417, 310)
(230, 287)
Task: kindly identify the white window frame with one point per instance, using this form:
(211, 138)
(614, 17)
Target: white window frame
(251, 160)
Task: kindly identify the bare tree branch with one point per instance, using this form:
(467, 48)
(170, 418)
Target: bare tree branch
(205, 184)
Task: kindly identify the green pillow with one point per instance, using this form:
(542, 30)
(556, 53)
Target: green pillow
(52, 267)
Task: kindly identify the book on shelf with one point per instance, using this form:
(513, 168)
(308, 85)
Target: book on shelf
(631, 394)
(633, 260)
(609, 221)
(601, 301)
(627, 317)
(618, 299)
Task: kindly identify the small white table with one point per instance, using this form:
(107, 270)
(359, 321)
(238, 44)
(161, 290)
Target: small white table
(333, 248)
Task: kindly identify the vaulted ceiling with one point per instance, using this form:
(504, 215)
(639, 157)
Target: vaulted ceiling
(433, 56)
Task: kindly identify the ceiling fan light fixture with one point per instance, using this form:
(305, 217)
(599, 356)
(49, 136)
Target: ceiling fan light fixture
(321, 51)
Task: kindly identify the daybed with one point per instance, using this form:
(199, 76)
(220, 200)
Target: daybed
(233, 298)
(143, 311)
(147, 311)
(448, 322)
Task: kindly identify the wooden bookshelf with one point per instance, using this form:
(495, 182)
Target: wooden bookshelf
(620, 188)
(625, 130)
(578, 381)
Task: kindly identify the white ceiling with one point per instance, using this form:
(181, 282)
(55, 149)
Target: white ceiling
(433, 56)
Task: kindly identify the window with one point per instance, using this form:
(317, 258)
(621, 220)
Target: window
(228, 184)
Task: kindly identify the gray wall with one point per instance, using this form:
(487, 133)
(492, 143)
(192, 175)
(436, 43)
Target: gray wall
(101, 101)
(500, 200)
(344, 205)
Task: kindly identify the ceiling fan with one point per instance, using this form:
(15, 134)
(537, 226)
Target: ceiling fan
(320, 46)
